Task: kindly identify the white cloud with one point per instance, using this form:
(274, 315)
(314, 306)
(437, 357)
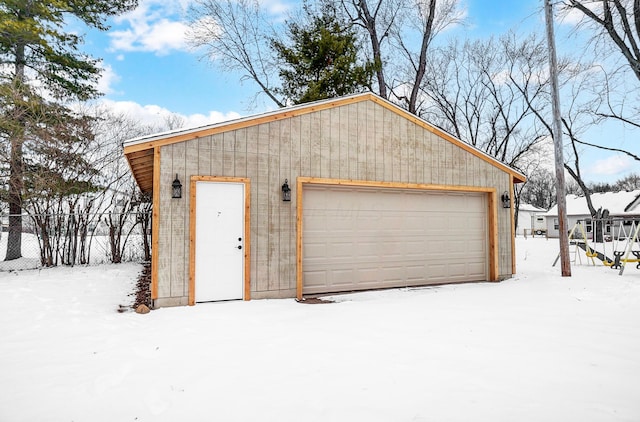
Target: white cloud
(613, 165)
(156, 26)
(108, 77)
(160, 37)
(155, 115)
(276, 8)
(195, 120)
(160, 26)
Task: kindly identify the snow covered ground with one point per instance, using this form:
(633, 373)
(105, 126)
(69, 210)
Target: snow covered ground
(538, 347)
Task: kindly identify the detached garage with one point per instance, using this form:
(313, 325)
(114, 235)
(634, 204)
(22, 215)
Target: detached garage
(340, 195)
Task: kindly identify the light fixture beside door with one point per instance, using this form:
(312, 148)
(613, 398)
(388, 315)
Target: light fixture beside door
(286, 191)
(176, 188)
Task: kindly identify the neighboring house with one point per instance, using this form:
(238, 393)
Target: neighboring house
(531, 220)
(621, 207)
(338, 195)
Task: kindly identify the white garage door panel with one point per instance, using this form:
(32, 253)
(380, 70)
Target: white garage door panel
(365, 238)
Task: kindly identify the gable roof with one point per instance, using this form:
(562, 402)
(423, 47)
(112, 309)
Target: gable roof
(623, 203)
(530, 208)
(140, 151)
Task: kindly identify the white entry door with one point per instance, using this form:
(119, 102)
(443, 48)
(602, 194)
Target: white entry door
(219, 266)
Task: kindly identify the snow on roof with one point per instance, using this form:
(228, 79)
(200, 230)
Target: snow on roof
(530, 208)
(618, 203)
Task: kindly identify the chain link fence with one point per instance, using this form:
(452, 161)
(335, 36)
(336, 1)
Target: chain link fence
(75, 239)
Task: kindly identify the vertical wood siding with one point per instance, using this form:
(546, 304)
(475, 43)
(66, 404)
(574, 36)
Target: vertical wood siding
(360, 141)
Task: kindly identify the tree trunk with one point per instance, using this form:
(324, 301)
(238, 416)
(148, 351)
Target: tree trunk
(145, 226)
(14, 235)
(16, 165)
(370, 23)
(422, 61)
(16, 183)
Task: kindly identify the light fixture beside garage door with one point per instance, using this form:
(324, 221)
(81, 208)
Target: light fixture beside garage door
(286, 191)
(506, 201)
(176, 188)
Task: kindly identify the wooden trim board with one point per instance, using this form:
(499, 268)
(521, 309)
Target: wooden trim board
(513, 226)
(155, 223)
(494, 268)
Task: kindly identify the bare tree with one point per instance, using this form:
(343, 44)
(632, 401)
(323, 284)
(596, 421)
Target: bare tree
(422, 21)
(574, 79)
(122, 207)
(120, 223)
(377, 20)
(616, 21)
(614, 26)
(236, 35)
(454, 91)
(628, 183)
(472, 94)
(426, 11)
(170, 122)
(540, 189)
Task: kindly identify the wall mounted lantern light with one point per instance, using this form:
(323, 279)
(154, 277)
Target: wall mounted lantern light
(506, 201)
(176, 188)
(286, 191)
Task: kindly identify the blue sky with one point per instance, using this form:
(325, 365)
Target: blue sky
(140, 60)
(150, 70)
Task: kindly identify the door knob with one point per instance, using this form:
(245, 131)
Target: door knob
(239, 246)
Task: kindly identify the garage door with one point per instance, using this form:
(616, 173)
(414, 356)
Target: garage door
(370, 238)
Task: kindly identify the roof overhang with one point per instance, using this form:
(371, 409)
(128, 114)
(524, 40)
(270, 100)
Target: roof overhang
(141, 164)
(140, 151)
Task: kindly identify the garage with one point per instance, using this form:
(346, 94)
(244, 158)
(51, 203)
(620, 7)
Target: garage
(343, 194)
(360, 238)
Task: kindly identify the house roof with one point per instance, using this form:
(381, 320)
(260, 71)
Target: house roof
(623, 203)
(142, 158)
(530, 208)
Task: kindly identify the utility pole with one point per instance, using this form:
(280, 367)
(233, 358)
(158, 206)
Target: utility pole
(565, 263)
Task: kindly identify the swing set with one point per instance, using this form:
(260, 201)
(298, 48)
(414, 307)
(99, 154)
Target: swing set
(612, 241)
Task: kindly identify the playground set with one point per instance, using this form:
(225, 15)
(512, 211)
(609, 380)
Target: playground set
(612, 241)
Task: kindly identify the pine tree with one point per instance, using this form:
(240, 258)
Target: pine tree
(322, 61)
(36, 51)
